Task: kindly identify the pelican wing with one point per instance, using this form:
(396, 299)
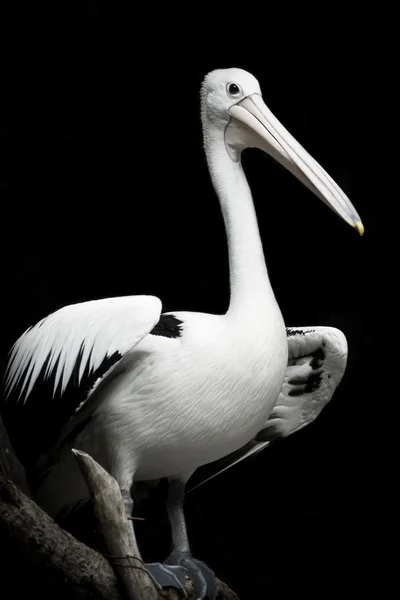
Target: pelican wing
(78, 340)
(317, 361)
(316, 364)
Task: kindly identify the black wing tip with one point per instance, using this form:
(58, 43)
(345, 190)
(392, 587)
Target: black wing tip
(37, 418)
(290, 331)
(168, 326)
(318, 358)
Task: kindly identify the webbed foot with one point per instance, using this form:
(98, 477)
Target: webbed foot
(168, 575)
(203, 578)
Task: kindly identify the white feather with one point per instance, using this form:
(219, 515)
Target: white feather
(97, 328)
(292, 413)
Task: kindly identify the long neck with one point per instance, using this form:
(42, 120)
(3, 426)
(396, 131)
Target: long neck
(249, 281)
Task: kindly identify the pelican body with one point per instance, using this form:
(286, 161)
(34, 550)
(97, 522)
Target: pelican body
(161, 406)
(180, 389)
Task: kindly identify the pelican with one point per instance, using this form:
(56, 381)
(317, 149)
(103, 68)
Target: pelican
(165, 393)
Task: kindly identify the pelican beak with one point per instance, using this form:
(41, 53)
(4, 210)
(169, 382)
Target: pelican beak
(273, 138)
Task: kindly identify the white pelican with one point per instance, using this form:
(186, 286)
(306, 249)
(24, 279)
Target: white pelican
(168, 393)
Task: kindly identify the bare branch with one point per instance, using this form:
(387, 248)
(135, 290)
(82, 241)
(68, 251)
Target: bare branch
(37, 538)
(110, 513)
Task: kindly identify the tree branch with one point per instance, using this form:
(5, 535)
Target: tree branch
(115, 529)
(37, 538)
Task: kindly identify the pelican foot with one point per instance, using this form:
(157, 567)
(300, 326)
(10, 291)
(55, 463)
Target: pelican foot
(168, 575)
(203, 578)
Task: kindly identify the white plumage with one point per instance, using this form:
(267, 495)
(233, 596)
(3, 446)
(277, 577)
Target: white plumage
(105, 326)
(316, 364)
(170, 405)
(172, 392)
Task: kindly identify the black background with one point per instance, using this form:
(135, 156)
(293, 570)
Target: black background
(105, 191)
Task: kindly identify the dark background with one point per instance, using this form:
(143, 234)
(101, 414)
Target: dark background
(104, 191)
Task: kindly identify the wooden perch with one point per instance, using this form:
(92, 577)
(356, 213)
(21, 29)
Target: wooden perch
(37, 539)
(115, 529)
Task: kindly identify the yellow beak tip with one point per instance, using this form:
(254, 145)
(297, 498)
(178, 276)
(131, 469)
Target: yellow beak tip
(360, 227)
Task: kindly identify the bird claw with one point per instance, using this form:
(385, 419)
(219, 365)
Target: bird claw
(203, 578)
(168, 575)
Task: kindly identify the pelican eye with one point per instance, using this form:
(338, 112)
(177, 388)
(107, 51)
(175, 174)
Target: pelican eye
(233, 89)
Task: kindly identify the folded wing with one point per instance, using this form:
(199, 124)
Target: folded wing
(316, 364)
(78, 339)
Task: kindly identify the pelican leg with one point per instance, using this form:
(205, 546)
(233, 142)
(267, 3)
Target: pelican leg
(202, 576)
(162, 575)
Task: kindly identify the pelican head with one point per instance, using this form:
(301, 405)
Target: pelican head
(231, 101)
